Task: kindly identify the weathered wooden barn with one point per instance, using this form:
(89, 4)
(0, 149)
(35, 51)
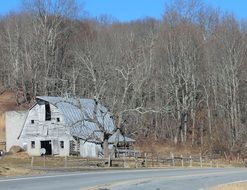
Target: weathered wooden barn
(63, 126)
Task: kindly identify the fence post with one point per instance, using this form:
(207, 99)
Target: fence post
(182, 160)
(87, 161)
(65, 162)
(44, 161)
(109, 161)
(201, 160)
(136, 161)
(190, 161)
(32, 160)
(173, 161)
(146, 160)
(152, 160)
(158, 162)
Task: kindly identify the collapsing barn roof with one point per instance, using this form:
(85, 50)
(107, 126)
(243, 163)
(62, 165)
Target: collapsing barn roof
(78, 115)
(117, 137)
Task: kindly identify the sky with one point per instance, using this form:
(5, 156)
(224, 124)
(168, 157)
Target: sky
(127, 10)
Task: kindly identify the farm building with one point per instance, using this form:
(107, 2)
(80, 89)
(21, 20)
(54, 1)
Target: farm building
(9, 100)
(63, 126)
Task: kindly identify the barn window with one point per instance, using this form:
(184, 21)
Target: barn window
(32, 121)
(61, 144)
(47, 112)
(32, 144)
(58, 119)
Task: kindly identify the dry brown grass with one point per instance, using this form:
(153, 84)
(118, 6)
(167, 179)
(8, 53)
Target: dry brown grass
(14, 165)
(237, 186)
(12, 171)
(164, 148)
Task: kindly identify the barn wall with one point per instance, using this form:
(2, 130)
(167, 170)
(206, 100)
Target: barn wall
(88, 149)
(7, 103)
(2, 131)
(33, 151)
(14, 124)
(36, 151)
(42, 130)
(66, 150)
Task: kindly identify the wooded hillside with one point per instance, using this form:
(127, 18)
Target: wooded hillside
(181, 79)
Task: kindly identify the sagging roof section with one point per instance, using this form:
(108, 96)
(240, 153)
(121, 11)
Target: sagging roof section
(78, 113)
(117, 137)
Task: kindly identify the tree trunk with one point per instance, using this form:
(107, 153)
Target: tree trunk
(105, 148)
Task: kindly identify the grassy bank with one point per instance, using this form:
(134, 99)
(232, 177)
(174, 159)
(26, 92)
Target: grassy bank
(235, 186)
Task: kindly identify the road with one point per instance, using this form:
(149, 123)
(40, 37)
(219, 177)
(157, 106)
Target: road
(149, 179)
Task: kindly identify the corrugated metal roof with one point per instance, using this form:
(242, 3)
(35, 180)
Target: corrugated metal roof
(77, 114)
(119, 138)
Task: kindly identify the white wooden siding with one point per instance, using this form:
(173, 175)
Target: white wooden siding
(42, 128)
(88, 149)
(46, 130)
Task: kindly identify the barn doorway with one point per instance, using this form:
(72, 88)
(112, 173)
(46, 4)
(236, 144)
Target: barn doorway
(47, 146)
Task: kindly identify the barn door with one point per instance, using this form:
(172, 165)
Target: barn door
(55, 147)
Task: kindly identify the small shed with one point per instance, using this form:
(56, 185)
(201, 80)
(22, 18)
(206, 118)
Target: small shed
(123, 145)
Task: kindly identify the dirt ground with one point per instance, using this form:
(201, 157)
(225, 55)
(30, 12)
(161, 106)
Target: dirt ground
(238, 186)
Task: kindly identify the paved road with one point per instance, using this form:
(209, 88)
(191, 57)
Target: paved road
(152, 179)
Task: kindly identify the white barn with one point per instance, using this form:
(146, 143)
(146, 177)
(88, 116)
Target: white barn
(63, 126)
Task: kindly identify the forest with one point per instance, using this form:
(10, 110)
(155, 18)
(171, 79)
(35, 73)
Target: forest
(181, 80)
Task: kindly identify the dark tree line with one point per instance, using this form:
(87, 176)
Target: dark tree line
(181, 79)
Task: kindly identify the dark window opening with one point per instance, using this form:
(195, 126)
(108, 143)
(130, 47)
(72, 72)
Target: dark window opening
(58, 119)
(32, 121)
(47, 146)
(32, 144)
(61, 144)
(47, 112)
